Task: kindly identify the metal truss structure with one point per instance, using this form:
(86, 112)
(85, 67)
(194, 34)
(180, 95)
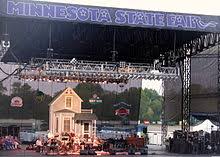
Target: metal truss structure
(186, 88)
(218, 106)
(93, 71)
(185, 53)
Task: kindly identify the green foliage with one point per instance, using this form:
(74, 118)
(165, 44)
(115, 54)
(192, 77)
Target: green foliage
(148, 102)
(32, 106)
(150, 105)
(86, 90)
(106, 110)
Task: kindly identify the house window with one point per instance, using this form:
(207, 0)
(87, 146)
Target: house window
(68, 102)
(66, 125)
(57, 123)
(86, 127)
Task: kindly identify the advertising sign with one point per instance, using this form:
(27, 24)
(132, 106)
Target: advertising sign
(122, 112)
(16, 102)
(108, 16)
(95, 99)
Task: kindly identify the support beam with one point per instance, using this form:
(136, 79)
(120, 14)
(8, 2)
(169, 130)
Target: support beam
(218, 106)
(186, 92)
(94, 71)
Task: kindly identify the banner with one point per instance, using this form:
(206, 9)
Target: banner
(95, 100)
(122, 112)
(16, 102)
(122, 109)
(108, 16)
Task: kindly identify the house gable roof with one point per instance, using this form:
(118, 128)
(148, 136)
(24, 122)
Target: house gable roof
(64, 110)
(62, 93)
(85, 116)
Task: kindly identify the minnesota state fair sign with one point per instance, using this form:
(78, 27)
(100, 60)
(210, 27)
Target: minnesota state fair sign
(108, 16)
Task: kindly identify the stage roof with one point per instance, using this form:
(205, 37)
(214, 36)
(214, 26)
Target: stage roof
(112, 15)
(30, 38)
(87, 32)
(177, 6)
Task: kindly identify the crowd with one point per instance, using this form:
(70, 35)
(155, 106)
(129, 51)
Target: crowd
(66, 143)
(69, 143)
(9, 143)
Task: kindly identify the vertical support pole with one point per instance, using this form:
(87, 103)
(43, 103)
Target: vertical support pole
(218, 106)
(164, 126)
(186, 92)
(95, 128)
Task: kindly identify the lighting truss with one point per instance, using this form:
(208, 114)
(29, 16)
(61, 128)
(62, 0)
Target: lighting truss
(218, 106)
(62, 70)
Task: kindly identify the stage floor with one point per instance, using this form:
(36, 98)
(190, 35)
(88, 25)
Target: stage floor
(154, 151)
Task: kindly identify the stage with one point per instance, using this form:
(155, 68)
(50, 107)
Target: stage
(66, 43)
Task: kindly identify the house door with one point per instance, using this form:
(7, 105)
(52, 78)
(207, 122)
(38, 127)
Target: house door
(86, 130)
(66, 126)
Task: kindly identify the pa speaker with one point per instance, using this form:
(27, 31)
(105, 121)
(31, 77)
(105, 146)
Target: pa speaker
(91, 152)
(84, 152)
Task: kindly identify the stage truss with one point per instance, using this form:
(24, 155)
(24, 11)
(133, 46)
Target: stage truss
(186, 88)
(218, 106)
(61, 70)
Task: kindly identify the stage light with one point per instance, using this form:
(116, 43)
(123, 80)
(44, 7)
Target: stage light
(4, 45)
(98, 72)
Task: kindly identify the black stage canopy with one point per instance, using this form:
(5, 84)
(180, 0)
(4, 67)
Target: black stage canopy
(91, 41)
(86, 32)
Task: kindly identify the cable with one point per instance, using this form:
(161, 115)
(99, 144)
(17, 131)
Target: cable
(15, 57)
(9, 76)
(15, 72)
(4, 71)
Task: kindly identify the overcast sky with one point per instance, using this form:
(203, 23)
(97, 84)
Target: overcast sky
(210, 7)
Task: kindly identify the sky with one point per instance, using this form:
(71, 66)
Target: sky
(179, 6)
(153, 84)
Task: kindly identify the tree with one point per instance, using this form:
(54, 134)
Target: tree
(106, 110)
(150, 105)
(86, 90)
(16, 86)
(33, 106)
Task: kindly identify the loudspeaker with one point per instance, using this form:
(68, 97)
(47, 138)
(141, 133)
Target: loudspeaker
(112, 152)
(84, 152)
(92, 152)
(131, 151)
(144, 151)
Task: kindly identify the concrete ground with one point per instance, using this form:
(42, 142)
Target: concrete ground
(154, 151)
